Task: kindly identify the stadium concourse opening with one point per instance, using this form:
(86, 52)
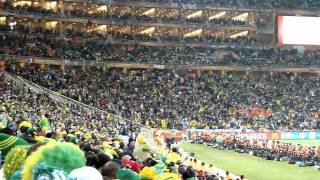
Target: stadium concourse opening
(230, 84)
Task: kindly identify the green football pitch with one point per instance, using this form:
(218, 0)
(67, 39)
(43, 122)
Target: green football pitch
(254, 168)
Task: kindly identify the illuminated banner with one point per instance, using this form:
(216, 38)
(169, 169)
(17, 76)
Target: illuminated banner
(179, 135)
(300, 135)
(298, 30)
(261, 135)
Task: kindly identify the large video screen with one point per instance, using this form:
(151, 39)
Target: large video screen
(297, 30)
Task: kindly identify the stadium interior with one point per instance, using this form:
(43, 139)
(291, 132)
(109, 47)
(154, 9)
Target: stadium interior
(159, 89)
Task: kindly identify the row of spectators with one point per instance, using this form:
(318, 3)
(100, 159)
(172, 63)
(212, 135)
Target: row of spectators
(39, 135)
(28, 9)
(268, 149)
(81, 45)
(80, 34)
(161, 98)
(255, 4)
(127, 16)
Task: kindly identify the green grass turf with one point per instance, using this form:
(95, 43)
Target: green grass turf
(254, 168)
(304, 142)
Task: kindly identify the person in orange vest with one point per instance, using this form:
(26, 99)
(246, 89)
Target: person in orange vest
(228, 176)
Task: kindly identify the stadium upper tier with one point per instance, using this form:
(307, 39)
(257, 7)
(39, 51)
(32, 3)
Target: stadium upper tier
(101, 49)
(128, 32)
(164, 17)
(278, 101)
(196, 4)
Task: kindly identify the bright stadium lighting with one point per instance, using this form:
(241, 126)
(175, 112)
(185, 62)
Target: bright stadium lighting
(298, 30)
(22, 3)
(241, 17)
(149, 12)
(50, 5)
(193, 33)
(195, 14)
(102, 8)
(243, 33)
(148, 30)
(218, 16)
(3, 20)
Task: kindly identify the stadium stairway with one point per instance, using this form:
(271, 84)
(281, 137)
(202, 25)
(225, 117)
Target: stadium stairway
(148, 134)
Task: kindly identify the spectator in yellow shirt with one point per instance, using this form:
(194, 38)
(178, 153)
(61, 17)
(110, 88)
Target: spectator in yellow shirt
(173, 156)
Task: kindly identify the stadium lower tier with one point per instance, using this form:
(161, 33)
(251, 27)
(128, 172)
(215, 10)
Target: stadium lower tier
(39, 134)
(205, 100)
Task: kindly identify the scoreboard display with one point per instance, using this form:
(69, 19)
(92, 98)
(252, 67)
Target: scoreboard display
(298, 30)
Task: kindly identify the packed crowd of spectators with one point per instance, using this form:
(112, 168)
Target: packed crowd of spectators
(256, 4)
(306, 155)
(24, 104)
(126, 16)
(282, 4)
(29, 9)
(42, 138)
(230, 22)
(124, 37)
(160, 98)
(80, 45)
(222, 3)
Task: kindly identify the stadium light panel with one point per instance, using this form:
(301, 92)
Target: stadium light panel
(3, 20)
(149, 12)
(218, 16)
(50, 5)
(22, 3)
(241, 17)
(243, 33)
(148, 30)
(51, 24)
(195, 14)
(102, 8)
(193, 33)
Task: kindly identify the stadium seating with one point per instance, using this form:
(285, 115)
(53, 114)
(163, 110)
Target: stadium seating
(51, 47)
(204, 100)
(59, 130)
(86, 87)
